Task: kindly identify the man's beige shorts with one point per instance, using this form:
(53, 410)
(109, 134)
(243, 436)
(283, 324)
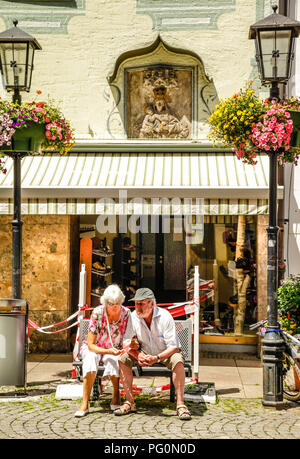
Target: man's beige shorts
(170, 363)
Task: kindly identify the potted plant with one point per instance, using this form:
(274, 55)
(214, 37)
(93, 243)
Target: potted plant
(250, 125)
(32, 127)
(288, 296)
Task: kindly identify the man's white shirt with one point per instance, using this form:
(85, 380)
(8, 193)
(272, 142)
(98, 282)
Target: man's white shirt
(161, 335)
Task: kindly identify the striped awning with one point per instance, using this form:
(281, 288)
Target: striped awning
(90, 183)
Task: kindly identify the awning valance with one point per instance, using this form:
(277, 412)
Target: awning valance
(94, 207)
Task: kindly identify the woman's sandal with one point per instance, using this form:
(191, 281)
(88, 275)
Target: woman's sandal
(126, 408)
(183, 413)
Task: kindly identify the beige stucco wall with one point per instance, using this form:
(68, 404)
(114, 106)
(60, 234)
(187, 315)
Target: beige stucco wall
(73, 68)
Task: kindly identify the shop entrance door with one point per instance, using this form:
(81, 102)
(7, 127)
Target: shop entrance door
(164, 263)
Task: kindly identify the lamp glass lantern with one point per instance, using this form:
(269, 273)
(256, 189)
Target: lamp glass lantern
(274, 41)
(16, 58)
(274, 54)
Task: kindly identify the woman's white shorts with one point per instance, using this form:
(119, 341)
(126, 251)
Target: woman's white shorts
(91, 360)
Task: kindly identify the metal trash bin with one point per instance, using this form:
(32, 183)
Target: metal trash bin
(13, 341)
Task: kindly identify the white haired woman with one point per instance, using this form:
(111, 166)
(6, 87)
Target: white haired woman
(107, 327)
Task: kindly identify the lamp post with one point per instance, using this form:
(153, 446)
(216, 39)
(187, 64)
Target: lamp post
(274, 40)
(16, 64)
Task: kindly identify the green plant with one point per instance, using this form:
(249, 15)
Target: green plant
(250, 125)
(232, 120)
(190, 386)
(57, 132)
(293, 103)
(288, 296)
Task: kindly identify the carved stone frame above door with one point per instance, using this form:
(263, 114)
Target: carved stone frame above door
(166, 73)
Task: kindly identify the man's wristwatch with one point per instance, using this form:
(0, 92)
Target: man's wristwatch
(158, 358)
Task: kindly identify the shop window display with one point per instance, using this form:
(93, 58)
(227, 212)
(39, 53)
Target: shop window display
(228, 256)
(225, 253)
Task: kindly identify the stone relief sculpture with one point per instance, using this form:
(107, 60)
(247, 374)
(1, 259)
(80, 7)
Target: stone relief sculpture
(159, 122)
(160, 103)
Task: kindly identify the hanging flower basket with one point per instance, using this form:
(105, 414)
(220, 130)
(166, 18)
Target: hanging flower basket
(28, 140)
(251, 126)
(33, 128)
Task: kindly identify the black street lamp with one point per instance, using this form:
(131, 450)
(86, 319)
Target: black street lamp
(16, 65)
(274, 39)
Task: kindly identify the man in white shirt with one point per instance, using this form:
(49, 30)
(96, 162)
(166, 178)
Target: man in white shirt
(156, 341)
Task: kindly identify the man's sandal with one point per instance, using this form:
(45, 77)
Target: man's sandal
(183, 413)
(126, 408)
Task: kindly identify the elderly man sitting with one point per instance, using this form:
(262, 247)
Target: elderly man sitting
(156, 341)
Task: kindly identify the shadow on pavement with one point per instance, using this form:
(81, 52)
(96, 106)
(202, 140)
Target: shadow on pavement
(229, 390)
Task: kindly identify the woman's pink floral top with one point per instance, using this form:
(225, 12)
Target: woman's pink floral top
(99, 326)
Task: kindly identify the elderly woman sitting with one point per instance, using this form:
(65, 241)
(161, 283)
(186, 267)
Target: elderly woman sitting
(107, 326)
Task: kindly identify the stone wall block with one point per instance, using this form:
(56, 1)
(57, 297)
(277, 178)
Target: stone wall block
(46, 273)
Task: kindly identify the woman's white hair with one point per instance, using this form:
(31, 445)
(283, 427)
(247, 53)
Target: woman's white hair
(112, 294)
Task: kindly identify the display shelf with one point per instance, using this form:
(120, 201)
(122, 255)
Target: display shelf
(131, 249)
(96, 294)
(102, 274)
(101, 254)
(127, 263)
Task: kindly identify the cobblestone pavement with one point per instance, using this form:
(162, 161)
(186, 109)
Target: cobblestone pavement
(45, 417)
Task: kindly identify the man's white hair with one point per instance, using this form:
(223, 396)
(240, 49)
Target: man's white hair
(112, 294)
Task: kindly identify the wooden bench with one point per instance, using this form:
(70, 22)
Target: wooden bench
(184, 331)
